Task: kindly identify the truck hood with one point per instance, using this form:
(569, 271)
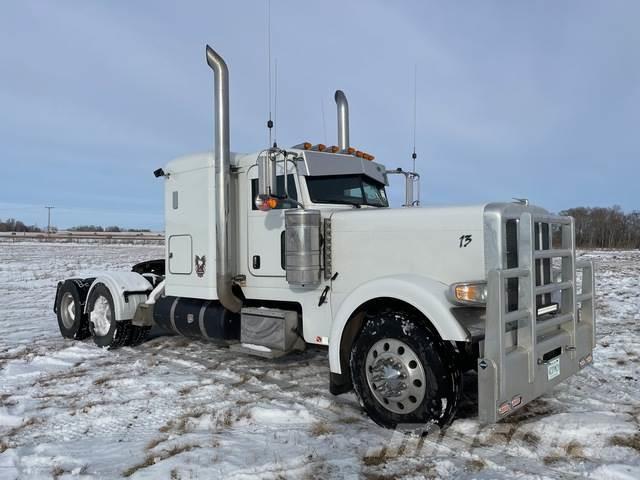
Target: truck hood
(444, 243)
(409, 219)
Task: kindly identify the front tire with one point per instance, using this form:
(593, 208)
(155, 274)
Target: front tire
(403, 373)
(106, 331)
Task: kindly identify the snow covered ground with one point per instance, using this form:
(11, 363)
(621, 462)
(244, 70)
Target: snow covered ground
(173, 408)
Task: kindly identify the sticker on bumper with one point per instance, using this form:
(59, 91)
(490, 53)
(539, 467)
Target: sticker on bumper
(553, 368)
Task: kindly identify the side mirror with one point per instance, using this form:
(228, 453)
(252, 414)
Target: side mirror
(411, 186)
(267, 179)
(267, 182)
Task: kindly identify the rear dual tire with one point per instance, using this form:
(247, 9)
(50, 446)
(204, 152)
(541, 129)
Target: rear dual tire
(99, 322)
(69, 308)
(106, 331)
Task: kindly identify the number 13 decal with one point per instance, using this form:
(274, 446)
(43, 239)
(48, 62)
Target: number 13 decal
(465, 240)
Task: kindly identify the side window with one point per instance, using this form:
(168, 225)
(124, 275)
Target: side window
(282, 204)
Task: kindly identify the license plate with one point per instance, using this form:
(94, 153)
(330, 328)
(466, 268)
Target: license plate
(553, 368)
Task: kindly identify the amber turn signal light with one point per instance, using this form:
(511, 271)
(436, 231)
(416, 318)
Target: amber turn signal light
(470, 293)
(265, 203)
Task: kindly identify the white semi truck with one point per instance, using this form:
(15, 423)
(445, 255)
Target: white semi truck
(270, 251)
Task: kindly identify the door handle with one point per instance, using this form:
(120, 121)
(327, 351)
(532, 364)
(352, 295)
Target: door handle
(323, 295)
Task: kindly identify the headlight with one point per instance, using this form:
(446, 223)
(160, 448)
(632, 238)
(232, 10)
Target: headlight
(469, 293)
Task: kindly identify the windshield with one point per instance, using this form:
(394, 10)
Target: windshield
(347, 189)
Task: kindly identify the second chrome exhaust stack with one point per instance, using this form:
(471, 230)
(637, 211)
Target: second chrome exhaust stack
(226, 252)
(343, 120)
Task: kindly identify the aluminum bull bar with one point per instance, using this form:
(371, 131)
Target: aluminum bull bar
(532, 343)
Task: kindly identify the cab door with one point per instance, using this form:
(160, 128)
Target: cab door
(266, 229)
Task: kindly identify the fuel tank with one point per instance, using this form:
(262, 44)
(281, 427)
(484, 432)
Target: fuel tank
(194, 318)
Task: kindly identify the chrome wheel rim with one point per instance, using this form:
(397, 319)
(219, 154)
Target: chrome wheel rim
(67, 310)
(395, 375)
(101, 316)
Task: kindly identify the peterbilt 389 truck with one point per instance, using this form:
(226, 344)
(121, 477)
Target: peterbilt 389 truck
(272, 251)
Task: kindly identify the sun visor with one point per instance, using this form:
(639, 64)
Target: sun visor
(317, 164)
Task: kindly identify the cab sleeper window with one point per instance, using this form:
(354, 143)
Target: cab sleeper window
(282, 204)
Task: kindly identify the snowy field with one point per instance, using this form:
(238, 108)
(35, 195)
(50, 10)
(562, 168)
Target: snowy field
(173, 408)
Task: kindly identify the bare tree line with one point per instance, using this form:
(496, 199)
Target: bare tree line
(99, 228)
(605, 227)
(13, 225)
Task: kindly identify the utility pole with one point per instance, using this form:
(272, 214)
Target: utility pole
(49, 219)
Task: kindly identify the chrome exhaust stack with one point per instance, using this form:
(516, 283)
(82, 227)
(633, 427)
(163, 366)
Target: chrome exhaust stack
(226, 254)
(343, 120)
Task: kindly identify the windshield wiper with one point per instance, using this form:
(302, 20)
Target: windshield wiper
(355, 204)
(339, 202)
(378, 205)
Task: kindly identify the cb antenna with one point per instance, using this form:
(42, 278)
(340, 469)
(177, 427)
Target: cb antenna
(270, 121)
(415, 101)
(275, 107)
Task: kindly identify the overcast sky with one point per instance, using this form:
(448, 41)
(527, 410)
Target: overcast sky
(536, 99)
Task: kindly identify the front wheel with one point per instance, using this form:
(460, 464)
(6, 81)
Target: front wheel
(106, 331)
(403, 373)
